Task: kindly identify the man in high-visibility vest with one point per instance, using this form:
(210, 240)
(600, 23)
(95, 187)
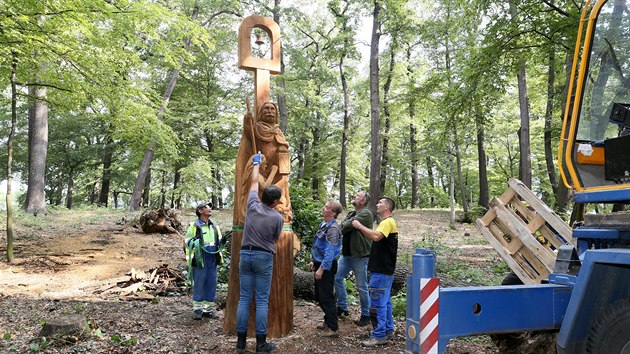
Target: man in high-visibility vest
(203, 241)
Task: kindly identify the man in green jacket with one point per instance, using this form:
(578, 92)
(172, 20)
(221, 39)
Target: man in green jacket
(355, 252)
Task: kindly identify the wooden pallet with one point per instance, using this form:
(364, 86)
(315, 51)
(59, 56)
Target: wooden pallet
(525, 232)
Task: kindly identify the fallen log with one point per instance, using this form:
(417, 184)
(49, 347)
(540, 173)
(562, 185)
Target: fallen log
(304, 283)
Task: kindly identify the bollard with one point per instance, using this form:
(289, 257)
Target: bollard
(423, 267)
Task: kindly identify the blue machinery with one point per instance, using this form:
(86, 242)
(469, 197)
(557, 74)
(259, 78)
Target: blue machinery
(568, 303)
(586, 298)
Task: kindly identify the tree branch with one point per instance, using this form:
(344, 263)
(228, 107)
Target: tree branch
(557, 9)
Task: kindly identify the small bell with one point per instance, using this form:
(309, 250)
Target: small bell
(259, 40)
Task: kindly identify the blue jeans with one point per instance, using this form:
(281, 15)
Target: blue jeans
(380, 295)
(205, 284)
(256, 268)
(359, 267)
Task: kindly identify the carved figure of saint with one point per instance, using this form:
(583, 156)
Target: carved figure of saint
(262, 133)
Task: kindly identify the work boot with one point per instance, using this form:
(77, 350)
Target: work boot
(262, 346)
(341, 313)
(241, 342)
(210, 314)
(373, 342)
(327, 332)
(363, 321)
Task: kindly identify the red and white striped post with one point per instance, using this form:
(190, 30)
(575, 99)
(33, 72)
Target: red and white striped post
(429, 299)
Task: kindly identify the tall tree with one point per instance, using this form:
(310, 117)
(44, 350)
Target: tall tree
(35, 202)
(549, 158)
(141, 180)
(9, 196)
(387, 113)
(341, 15)
(413, 132)
(375, 114)
(525, 159)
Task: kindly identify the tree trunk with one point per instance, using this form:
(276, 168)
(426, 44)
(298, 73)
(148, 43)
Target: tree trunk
(301, 158)
(344, 134)
(174, 199)
(146, 191)
(462, 185)
(163, 191)
(451, 180)
(430, 178)
(37, 150)
(9, 196)
(70, 189)
(375, 162)
(549, 158)
(134, 203)
(93, 193)
(103, 196)
(525, 161)
(484, 195)
(387, 113)
(317, 138)
(413, 143)
(58, 196)
(217, 200)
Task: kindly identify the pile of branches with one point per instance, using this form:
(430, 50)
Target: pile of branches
(158, 281)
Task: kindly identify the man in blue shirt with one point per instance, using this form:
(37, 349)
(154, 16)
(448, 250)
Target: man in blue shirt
(325, 251)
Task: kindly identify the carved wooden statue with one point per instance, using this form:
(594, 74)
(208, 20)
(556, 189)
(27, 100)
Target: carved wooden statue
(262, 133)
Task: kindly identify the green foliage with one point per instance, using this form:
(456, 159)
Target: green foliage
(124, 341)
(6, 336)
(40, 345)
(106, 66)
(458, 270)
(306, 214)
(351, 290)
(399, 305)
(223, 271)
(194, 177)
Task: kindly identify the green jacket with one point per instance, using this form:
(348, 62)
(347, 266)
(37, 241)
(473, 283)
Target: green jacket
(354, 243)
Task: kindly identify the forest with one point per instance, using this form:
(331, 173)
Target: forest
(139, 103)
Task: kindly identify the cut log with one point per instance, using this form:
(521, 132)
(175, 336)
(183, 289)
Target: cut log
(400, 277)
(303, 284)
(66, 325)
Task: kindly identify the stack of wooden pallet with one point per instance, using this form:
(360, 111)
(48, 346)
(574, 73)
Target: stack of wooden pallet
(525, 232)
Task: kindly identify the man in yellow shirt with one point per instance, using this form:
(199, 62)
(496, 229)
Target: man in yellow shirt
(381, 265)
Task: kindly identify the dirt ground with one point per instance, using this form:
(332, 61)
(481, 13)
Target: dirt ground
(65, 260)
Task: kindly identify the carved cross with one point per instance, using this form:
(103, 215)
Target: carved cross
(261, 67)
